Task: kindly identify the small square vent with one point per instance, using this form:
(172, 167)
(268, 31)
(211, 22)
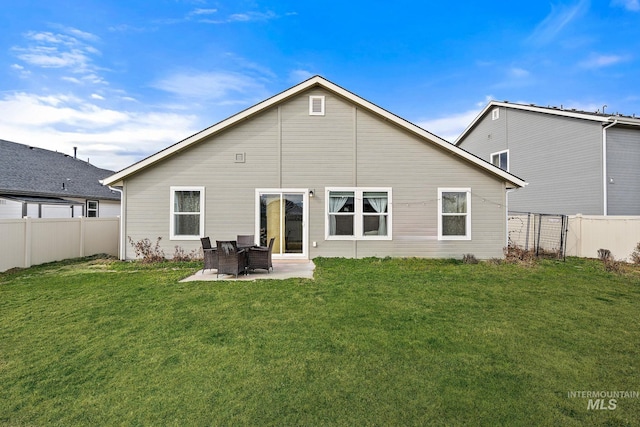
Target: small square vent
(316, 105)
(240, 158)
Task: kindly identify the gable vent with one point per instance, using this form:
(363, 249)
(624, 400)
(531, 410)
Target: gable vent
(316, 105)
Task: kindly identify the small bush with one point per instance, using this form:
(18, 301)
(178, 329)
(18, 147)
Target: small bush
(180, 255)
(146, 251)
(613, 266)
(635, 255)
(609, 262)
(604, 255)
(517, 255)
(469, 259)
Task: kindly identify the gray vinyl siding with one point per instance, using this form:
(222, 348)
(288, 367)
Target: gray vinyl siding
(285, 147)
(560, 158)
(623, 171)
(489, 136)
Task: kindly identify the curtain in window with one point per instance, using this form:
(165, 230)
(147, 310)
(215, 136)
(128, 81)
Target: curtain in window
(186, 208)
(379, 203)
(336, 202)
(187, 201)
(454, 211)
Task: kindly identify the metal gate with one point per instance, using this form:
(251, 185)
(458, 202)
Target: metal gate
(542, 234)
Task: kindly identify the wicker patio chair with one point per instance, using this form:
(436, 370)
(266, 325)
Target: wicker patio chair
(260, 257)
(245, 241)
(231, 260)
(210, 254)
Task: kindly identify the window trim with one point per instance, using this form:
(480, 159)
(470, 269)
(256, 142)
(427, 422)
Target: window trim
(322, 105)
(466, 190)
(359, 214)
(495, 113)
(497, 153)
(96, 209)
(172, 235)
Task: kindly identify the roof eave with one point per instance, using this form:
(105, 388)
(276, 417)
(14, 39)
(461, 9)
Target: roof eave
(532, 108)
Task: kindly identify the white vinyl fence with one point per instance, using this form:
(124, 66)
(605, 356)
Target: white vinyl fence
(588, 233)
(32, 241)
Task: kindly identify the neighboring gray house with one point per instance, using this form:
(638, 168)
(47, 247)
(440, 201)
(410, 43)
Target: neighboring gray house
(46, 184)
(326, 173)
(574, 161)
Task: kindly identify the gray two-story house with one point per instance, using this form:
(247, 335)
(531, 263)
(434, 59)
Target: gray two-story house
(574, 161)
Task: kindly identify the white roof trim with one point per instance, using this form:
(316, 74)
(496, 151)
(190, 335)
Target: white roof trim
(547, 110)
(117, 178)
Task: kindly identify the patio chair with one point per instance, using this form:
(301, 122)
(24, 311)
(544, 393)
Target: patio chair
(245, 241)
(231, 260)
(210, 254)
(260, 257)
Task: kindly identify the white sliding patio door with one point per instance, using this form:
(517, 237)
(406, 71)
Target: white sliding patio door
(282, 214)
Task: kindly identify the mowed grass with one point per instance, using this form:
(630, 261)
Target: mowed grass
(368, 342)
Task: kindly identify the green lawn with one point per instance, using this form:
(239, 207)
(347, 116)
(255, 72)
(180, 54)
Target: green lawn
(368, 342)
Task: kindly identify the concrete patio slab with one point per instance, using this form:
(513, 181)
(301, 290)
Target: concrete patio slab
(282, 269)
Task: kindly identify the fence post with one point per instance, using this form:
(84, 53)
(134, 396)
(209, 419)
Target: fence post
(578, 230)
(81, 245)
(27, 242)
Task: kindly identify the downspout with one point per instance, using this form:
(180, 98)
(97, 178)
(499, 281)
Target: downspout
(604, 166)
(121, 249)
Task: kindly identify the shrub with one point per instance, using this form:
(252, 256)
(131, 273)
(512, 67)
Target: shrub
(635, 255)
(609, 262)
(604, 255)
(146, 251)
(180, 255)
(469, 259)
(517, 255)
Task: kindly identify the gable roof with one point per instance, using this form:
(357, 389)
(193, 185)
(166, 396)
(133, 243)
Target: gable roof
(31, 171)
(316, 81)
(556, 111)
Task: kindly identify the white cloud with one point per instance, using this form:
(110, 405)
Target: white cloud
(450, 127)
(96, 96)
(45, 49)
(111, 139)
(216, 86)
(559, 18)
(298, 76)
(242, 17)
(631, 5)
(203, 12)
(518, 72)
(599, 61)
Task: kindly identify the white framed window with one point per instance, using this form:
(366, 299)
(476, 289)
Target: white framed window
(358, 213)
(501, 159)
(454, 214)
(92, 208)
(316, 105)
(187, 213)
(495, 114)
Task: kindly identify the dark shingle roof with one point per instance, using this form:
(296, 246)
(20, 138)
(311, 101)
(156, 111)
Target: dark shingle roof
(26, 170)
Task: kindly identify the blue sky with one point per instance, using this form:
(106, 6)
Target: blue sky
(123, 79)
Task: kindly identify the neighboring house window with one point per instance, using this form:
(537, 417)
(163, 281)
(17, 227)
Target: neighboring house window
(454, 214)
(358, 213)
(92, 208)
(495, 114)
(501, 159)
(187, 213)
(316, 105)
